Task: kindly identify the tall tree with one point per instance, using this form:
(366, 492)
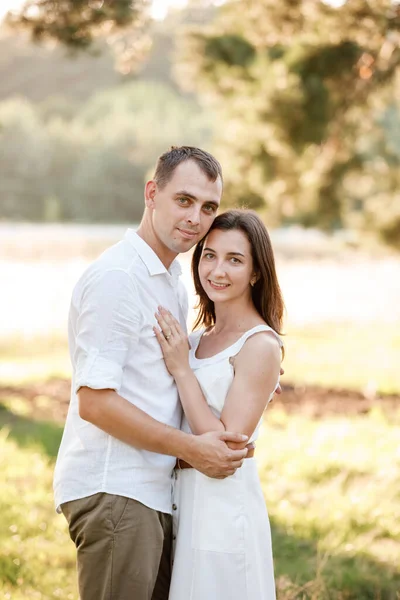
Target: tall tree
(297, 85)
(76, 22)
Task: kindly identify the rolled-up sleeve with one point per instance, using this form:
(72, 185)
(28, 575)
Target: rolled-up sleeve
(107, 326)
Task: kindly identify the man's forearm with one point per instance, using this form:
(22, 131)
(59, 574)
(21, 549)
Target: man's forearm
(116, 416)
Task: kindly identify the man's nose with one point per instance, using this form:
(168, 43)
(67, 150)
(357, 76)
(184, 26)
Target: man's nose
(194, 215)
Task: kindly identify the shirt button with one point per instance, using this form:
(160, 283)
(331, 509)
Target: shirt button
(174, 507)
(174, 537)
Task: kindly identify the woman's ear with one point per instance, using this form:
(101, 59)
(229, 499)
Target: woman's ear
(255, 277)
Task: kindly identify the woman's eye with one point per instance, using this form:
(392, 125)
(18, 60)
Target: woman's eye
(235, 260)
(208, 255)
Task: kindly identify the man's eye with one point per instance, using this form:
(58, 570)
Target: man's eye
(210, 208)
(183, 201)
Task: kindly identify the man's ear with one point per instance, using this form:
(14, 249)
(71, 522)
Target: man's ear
(150, 191)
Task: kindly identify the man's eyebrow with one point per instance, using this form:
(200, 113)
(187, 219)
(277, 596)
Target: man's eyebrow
(187, 194)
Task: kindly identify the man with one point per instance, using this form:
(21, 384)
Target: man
(113, 473)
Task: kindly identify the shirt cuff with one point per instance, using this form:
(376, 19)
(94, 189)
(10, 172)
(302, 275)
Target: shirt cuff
(98, 373)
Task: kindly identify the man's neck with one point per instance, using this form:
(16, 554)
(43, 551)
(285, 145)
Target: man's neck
(147, 233)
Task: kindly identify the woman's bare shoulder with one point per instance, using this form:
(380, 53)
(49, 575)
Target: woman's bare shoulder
(260, 347)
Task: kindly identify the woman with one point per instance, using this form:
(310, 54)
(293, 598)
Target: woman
(222, 548)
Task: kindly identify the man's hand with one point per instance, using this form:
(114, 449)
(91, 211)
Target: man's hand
(279, 389)
(210, 454)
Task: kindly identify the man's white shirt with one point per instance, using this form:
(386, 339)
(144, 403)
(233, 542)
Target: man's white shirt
(113, 346)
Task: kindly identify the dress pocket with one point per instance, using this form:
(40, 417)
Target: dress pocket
(219, 514)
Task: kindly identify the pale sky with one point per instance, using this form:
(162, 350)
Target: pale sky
(6, 5)
(160, 7)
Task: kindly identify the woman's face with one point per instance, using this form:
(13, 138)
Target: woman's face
(226, 265)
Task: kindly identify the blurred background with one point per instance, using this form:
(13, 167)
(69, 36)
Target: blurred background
(300, 101)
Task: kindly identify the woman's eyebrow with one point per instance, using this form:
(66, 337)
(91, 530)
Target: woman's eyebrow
(228, 253)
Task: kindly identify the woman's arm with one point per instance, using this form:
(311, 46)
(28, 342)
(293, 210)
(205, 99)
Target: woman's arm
(257, 369)
(199, 415)
(256, 374)
(175, 348)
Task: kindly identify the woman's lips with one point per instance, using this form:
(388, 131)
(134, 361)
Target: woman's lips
(218, 286)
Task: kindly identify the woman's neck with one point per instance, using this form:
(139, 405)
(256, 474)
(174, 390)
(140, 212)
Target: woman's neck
(234, 315)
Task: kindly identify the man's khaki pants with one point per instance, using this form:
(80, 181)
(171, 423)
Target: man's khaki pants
(123, 548)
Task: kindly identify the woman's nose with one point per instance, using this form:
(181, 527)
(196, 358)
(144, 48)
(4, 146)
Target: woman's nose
(219, 270)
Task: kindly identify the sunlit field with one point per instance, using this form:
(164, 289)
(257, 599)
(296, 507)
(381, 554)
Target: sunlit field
(330, 470)
(343, 307)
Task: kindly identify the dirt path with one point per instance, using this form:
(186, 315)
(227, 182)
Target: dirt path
(49, 400)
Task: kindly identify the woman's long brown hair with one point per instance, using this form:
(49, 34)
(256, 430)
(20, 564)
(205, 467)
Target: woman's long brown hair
(266, 293)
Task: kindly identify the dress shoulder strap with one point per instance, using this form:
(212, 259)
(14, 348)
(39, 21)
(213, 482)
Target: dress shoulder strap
(194, 338)
(237, 346)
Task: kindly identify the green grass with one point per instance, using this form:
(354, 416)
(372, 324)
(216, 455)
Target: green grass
(332, 490)
(44, 436)
(331, 487)
(36, 557)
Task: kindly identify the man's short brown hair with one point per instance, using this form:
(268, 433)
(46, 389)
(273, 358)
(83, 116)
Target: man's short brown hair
(168, 162)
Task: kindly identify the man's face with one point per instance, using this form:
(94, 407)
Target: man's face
(183, 211)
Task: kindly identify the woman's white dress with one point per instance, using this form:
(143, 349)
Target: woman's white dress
(222, 538)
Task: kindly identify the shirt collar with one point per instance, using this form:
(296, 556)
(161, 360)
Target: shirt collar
(150, 258)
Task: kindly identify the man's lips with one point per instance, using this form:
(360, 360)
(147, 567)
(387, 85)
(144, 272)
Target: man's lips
(188, 233)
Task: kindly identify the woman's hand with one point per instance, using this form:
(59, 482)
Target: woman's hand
(174, 343)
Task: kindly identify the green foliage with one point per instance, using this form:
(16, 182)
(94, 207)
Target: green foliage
(75, 22)
(230, 49)
(90, 164)
(301, 89)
